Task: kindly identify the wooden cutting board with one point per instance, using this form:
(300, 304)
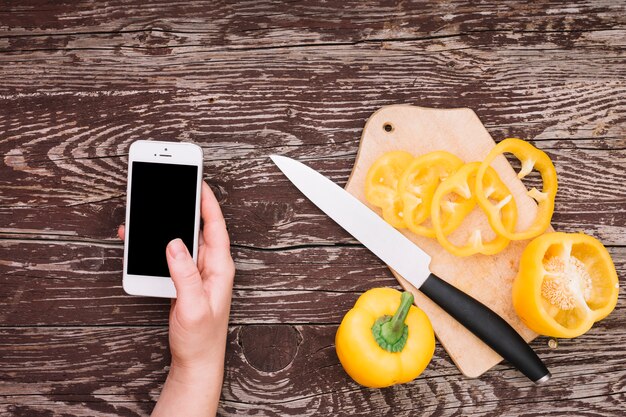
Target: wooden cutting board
(489, 279)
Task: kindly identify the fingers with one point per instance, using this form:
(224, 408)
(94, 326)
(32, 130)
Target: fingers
(214, 230)
(184, 272)
(216, 255)
(121, 231)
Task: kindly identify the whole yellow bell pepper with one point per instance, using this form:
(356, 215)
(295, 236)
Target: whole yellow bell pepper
(566, 282)
(384, 339)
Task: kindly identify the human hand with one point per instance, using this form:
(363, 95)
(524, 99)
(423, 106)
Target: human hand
(198, 320)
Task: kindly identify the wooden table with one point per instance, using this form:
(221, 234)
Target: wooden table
(80, 82)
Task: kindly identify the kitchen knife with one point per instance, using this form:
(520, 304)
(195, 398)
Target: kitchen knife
(408, 260)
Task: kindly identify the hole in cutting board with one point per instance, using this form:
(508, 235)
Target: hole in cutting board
(388, 127)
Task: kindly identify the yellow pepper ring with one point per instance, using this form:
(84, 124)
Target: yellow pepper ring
(381, 184)
(531, 158)
(462, 184)
(417, 187)
(566, 282)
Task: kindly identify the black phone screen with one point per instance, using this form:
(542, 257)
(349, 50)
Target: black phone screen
(162, 208)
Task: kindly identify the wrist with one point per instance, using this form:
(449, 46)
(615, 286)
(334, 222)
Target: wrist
(206, 372)
(190, 390)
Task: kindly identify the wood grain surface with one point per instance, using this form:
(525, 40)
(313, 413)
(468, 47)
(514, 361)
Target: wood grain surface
(79, 81)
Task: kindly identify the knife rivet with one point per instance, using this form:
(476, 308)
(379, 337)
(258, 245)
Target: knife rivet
(553, 343)
(388, 127)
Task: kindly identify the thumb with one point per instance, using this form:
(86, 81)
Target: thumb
(183, 270)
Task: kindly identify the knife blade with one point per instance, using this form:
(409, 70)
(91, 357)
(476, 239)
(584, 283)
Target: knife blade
(409, 261)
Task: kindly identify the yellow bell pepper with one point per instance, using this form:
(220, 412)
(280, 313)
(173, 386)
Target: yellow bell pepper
(456, 195)
(381, 184)
(417, 187)
(566, 282)
(384, 339)
(530, 158)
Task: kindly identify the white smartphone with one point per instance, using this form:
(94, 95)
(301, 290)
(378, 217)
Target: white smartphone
(162, 203)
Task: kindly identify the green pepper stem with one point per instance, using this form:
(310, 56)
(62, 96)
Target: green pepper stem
(391, 333)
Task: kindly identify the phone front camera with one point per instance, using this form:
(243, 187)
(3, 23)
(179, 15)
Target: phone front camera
(166, 149)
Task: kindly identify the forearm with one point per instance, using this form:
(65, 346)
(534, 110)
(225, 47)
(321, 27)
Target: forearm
(190, 392)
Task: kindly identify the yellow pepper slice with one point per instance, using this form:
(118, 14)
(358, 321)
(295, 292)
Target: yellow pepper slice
(417, 187)
(456, 195)
(384, 339)
(566, 282)
(381, 184)
(531, 158)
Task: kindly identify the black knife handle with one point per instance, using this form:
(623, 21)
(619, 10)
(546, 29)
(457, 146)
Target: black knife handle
(487, 326)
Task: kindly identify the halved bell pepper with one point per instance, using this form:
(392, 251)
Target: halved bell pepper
(381, 184)
(457, 196)
(566, 282)
(384, 339)
(531, 158)
(417, 187)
